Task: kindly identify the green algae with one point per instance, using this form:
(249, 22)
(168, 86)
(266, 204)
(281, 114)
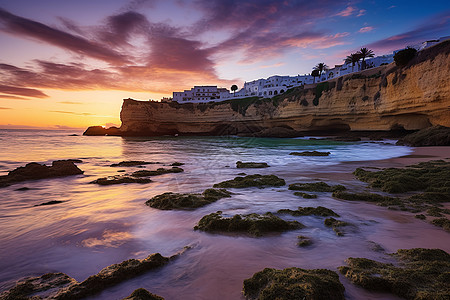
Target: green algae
(159, 171)
(294, 284)
(255, 180)
(243, 165)
(336, 225)
(316, 187)
(367, 197)
(310, 153)
(253, 224)
(305, 195)
(442, 222)
(308, 211)
(421, 274)
(142, 294)
(304, 241)
(169, 201)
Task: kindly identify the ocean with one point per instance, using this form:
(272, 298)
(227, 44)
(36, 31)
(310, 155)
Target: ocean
(96, 226)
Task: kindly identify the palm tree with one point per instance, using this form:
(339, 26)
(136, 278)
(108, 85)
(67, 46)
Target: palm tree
(315, 73)
(321, 67)
(234, 88)
(364, 52)
(353, 59)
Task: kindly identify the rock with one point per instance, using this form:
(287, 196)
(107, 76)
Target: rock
(421, 274)
(336, 225)
(431, 136)
(168, 201)
(367, 197)
(100, 130)
(276, 132)
(304, 241)
(50, 203)
(143, 294)
(251, 181)
(252, 224)
(35, 171)
(294, 284)
(177, 164)
(310, 153)
(132, 163)
(442, 222)
(242, 165)
(159, 171)
(307, 211)
(117, 179)
(316, 187)
(305, 195)
(22, 189)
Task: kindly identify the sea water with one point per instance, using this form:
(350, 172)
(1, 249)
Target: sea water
(96, 226)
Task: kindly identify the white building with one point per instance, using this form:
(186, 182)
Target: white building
(205, 93)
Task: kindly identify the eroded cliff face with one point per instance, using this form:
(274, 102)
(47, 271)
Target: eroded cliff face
(413, 97)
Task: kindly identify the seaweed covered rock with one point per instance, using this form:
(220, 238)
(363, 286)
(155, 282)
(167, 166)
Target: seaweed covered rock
(117, 179)
(422, 274)
(432, 176)
(307, 211)
(294, 284)
(35, 171)
(112, 275)
(336, 225)
(431, 136)
(132, 163)
(305, 195)
(168, 201)
(442, 222)
(159, 171)
(143, 294)
(253, 224)
(37, 286)
(316, 187)
(304, 241)
(251, 181)
(310, 153)
(367, 197)
(242, 165)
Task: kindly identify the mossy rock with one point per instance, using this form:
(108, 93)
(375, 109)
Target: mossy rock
(117, 179)
(422, 274)
(310, 153)
(143, 294)
(159, 171)
(304, 241)
(168, 201)
(308, 211)
(336, 225)
(442, 222)
(294, 284)
(243, 165)
(431, 136)
(255, 180)
(253, 224)
(367, 197)
(305, 195)
(432, 176)
(316, 187)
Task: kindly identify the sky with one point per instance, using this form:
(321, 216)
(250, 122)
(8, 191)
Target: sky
(69, 64)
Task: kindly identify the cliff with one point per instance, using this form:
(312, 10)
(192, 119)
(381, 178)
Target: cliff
(389, 97)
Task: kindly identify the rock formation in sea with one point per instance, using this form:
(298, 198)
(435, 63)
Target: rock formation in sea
(412, 97)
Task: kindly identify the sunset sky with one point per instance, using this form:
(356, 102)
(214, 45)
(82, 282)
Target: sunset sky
(70, 63)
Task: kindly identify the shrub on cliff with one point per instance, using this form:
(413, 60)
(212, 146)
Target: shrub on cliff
(403, 57)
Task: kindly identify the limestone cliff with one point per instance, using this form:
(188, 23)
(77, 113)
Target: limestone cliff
(413, 97)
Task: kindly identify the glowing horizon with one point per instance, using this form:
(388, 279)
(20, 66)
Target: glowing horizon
(67, 64)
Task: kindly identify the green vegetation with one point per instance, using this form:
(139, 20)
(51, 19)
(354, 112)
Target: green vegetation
(320, 88)
(159, 171)
(422, 274)
(244, 165)
(310, 153)
(316, 187)
(234, 88)
(252, 224)
(305, 195)
(304, 241)
(168, 201)
(307, 211)
(403, 57)
(364, 53)
(336, 225)
(294, 284)
(251, 181)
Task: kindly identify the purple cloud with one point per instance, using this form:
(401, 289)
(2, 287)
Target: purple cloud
(6, 89)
